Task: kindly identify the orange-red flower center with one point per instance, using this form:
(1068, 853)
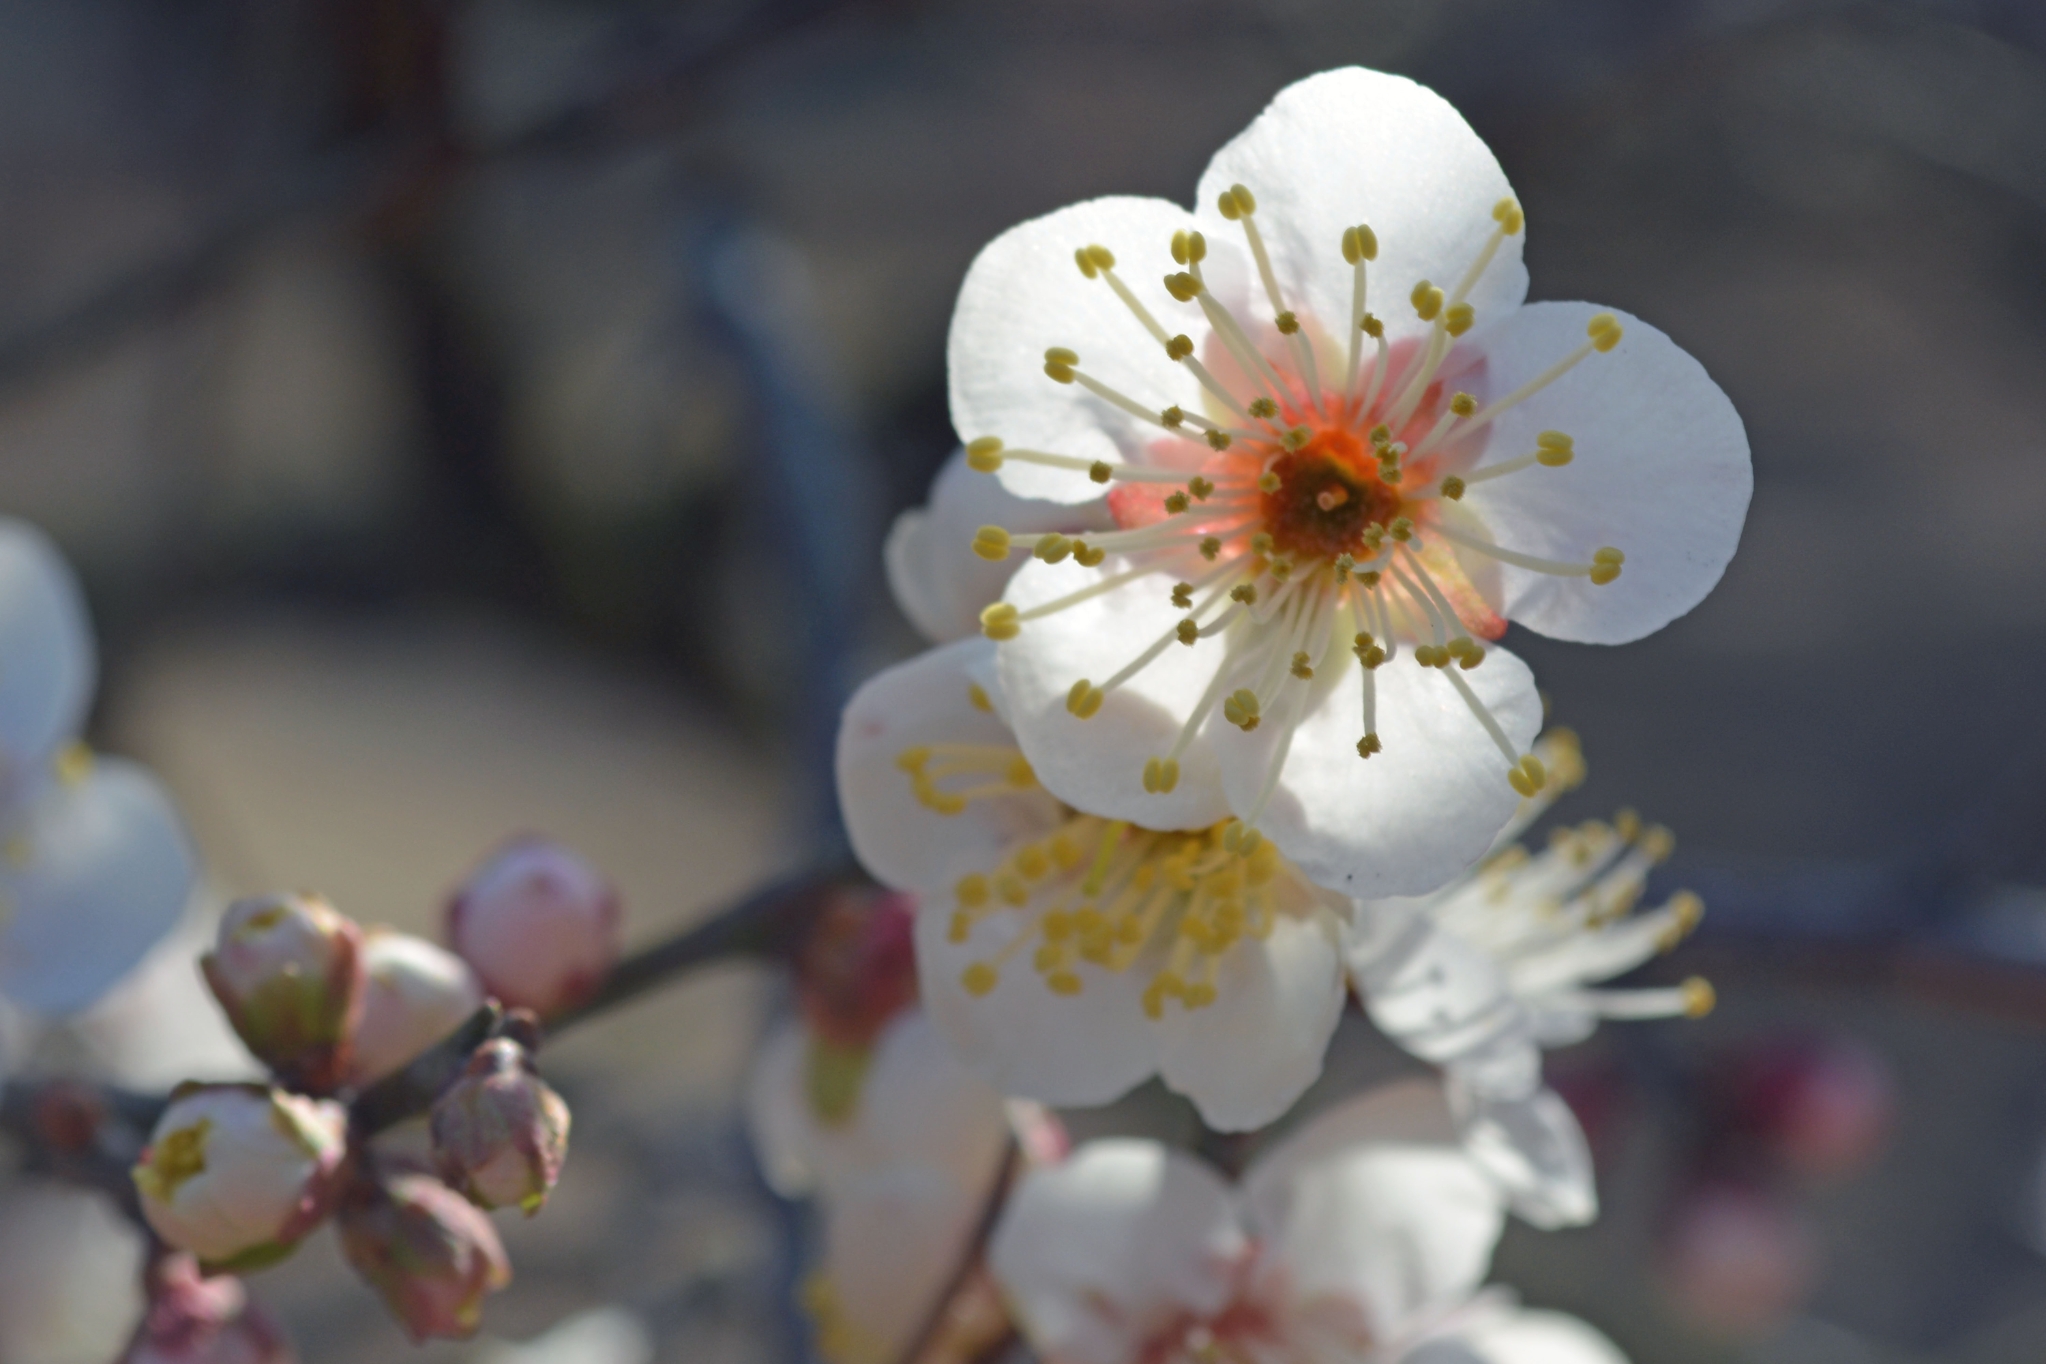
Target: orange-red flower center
(1329, 491)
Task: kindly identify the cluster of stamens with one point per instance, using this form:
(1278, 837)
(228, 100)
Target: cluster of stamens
(1318, 516)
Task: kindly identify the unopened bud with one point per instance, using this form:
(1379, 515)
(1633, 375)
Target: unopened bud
(538, 924)
(857, 969)
(418, 993)
(238, 1174)
(288, 971)
(196, 1320)
(499, 1132)
(430, 1252)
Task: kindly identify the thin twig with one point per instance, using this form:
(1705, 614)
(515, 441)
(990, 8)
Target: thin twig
(970, 1257)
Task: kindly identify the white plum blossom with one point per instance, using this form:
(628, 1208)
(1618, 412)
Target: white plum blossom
(1068, 955)
(938, 580)
(98, 867)
(1340, 453)
(1361, 1239)
(901, 1177)
(1483, 974)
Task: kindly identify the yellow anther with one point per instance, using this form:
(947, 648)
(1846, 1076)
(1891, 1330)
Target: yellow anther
(1172, 417)
(1052, 547)
(1179, 246)
(1303, 666)
(1020, 772)
(1627, 824)
(1463, 404)
(979, 979)
(1218, 440)
(1210, 546)
(1178, 348)
(1263, 407)
(1424, 655)
(998, 622)
(1296, 438)
(1554, 456)
(977, 697)
(913, 759)
(1244, 592)
(1268, 481)
(1401, 529)
(1057, 925)
(1507, 214)
(1177, 502)
(1240, 708)
(1601, 574)
(1100, 257)
(1261, 543)
(1063, 983)
(1182, 595)
(1359, 243)
(1031, 861)
(1200, 487)
(1196, 248)
(1167, 775)
(1011, 891)
(1065, 854)
(1604, 331)
(1100, 471)
(1517, 779)
(1658, 843)
(984, 454)
(1453, 488)
(1459, 318)
(1369, 578)
(972, 890)
(960, 926)
(1427, 301)
(1085, 699)
(1187, 632)
(1246, 203)
(1687, 910)
(1536, 773)
(1699, 997)
(1369, 745)
(1059, 363)
(1086, 556)
(1553, 440)
(1371, 326)
(1087, 267)
(1280, 569)
(1471, 659)
(1049, 956)
(1380, 435)
(1363, 642)
(1182, 286)
(991, 542)
(1608, 555)
(1287, 323)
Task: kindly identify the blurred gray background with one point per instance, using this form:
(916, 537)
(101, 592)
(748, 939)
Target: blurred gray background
(472, 417)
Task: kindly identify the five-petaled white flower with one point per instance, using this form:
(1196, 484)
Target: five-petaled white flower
(1340, 452)
(1068, 955)
(1364, 1237)
(1484, 973)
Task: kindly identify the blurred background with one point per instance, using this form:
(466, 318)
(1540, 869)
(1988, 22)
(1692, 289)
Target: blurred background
(479, 417)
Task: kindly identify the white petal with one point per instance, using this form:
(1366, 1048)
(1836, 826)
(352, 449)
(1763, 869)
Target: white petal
(1075, 1051)
(924, 701)
(938, 581)
(1406, 819)
(1406, 1112)
(1536, 1150)
(1353, 146)
(1428, 990)
(1245, 1058)
(1024, 295)
(1396, 1228)
(920, 1103)
(1098, 1251)
(1519, 1337)
(1661, 472)
(108, 872)
(46, 639)
(1097, 764)
(777, 1113)
(892, 1240)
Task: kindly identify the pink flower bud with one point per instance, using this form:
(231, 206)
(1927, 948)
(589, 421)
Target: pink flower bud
(288, 970)
(539, 924)
(858, 968)
(417, 994)
(430, 1252)
(237, 1174)
(499, 1132)
(193, 1320)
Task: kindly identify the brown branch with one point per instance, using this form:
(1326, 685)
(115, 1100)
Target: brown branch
(970, 1258)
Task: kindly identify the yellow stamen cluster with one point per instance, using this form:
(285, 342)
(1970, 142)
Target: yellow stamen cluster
(995, 770)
